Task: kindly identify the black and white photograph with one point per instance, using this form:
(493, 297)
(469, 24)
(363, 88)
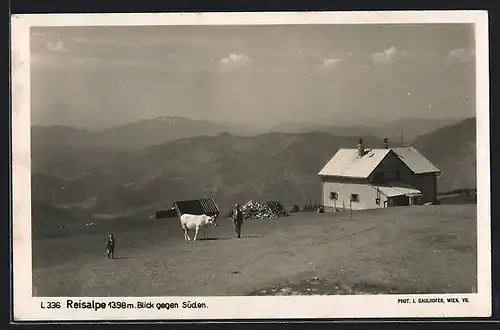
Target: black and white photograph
(312, 157)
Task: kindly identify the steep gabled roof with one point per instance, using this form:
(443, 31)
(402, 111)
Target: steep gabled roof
(199, 206)
(415, 161)
(347, 163)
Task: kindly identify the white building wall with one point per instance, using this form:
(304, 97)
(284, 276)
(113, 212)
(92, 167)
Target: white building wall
(366, 193)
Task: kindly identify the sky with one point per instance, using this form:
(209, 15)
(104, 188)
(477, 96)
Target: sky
(96, 77)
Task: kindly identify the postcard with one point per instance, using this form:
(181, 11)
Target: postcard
(235, 166)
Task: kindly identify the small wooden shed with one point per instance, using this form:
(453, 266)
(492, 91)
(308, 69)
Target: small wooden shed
(197, 206)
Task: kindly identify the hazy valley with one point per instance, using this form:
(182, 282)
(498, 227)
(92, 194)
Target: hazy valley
(135, 169)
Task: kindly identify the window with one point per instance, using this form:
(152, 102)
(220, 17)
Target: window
(334, 196)
(354, 198)
(398, 175)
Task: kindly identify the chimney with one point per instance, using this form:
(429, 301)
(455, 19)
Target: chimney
(361, 148)
(386, 143)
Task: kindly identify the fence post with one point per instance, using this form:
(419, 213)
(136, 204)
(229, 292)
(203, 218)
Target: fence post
(350, 209)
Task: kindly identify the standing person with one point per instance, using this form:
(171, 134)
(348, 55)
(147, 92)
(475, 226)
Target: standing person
(110, 246)
(238, 220)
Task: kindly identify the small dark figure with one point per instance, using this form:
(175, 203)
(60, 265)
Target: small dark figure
(110, 246)
(238, 220)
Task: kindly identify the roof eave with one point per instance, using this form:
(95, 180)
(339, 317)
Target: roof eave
(428, 172)
(383, 158)
(342, 176)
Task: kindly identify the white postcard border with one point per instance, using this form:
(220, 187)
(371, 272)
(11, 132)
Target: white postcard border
(27, 307)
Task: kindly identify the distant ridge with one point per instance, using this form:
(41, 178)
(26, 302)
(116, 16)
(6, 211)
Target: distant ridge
(162, 129)
(453, 149)
(132, 136)
(230, 168)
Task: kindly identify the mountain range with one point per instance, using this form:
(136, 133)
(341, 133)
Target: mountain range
(145, 166)
(155, 131)
(405, 129)
(453, 150)
(132, 136)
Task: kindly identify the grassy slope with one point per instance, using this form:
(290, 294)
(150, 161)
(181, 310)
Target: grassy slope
(420, 249)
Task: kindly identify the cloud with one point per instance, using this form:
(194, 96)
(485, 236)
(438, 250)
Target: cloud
(460, 55)
(389, 55)
(56, 47)
(329, 62)
(326, 65)
(234, 62)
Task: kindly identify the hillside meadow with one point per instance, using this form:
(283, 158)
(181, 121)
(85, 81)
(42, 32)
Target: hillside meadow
(420, 249)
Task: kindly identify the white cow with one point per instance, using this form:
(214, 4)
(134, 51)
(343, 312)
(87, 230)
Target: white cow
(191, 222)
